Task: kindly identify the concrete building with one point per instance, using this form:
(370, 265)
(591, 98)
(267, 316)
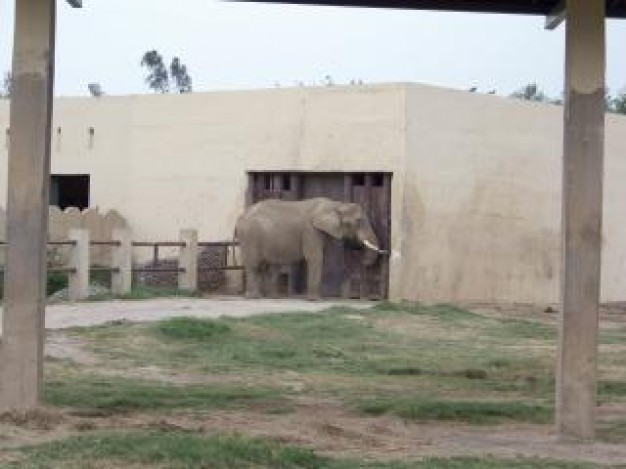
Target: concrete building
(473, 209)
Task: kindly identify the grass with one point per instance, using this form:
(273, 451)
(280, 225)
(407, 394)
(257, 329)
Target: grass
(192, 329)
(167, 449)
(523, 329)
(184, 450)
(420, 363)
(115, 394)
(380, 344)
(611, 388)
(329, 341)
(443, 312)
(147, 293)
(472, 412)
(614, 432)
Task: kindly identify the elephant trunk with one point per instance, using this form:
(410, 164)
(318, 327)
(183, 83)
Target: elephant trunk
(368, 239)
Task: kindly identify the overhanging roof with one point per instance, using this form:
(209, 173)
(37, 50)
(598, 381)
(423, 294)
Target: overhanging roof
(614, 8)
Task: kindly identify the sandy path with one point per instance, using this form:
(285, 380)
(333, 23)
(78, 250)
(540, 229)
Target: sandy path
(61, 316)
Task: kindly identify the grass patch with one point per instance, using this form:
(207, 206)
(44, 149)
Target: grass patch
(614, 432)
(184, 450)
(444, 312)
(338, 342)
(147, 293)
(523, 329)
(192, 329)
(612, 388)
(56, 281)
(167, 449)
(121, 395)
(328, 341)
(472, 412)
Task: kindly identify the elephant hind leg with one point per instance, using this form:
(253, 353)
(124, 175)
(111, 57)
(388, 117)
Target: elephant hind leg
(253, 282)
(254, 279)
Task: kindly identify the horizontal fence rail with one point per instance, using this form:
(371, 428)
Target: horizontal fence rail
(159, 270)
(105, 243)
(175, 244)
(218, 243)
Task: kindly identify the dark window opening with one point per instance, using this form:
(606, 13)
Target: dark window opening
(268, 182)
(378, 180)
(358, 179)
(286, 182)
(69, 191)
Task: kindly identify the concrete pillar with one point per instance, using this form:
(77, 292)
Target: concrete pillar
(121, 262)
(582, 217)
(21, 363)
(188, 260)
(78, 285)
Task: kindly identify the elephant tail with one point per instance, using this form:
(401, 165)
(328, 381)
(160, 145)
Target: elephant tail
(234, 247)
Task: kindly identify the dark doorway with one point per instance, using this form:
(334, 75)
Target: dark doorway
(69, 190)
(343, 275)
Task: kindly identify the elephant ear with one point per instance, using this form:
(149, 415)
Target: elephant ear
(329, 222)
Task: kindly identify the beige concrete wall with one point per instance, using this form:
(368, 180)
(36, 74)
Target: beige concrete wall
(192, 152)
(482, 210)
(614, 223)
(476, 179)
(482, 201)
(169, 162)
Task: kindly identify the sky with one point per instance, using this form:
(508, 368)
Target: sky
(230, 46)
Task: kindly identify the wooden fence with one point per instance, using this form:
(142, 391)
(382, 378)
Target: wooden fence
(121, 266)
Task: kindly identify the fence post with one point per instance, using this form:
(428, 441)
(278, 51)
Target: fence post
(188, 260)
(121, 262)
(78, 288)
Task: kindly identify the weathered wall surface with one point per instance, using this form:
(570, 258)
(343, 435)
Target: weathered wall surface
(191, 153)
(613, 286)
(170, 162)
(476, 179)
(482, 211)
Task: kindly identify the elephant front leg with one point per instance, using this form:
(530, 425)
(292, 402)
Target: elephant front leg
(314, 274)
(253, 282)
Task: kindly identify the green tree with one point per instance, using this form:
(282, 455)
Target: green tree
(617, 104)
(158, 78)
(180, 77)
(162, 80)
(7, 85)
(531, 92)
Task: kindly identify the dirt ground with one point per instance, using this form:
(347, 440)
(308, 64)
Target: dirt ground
(320, 424)
(330, 431)
(64, 315)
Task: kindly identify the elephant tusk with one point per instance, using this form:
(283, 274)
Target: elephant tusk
(372, 247)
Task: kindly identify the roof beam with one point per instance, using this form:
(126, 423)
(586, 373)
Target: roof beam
(614, 8)
(556, 16)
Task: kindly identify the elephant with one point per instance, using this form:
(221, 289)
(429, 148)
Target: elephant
(279, 232)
